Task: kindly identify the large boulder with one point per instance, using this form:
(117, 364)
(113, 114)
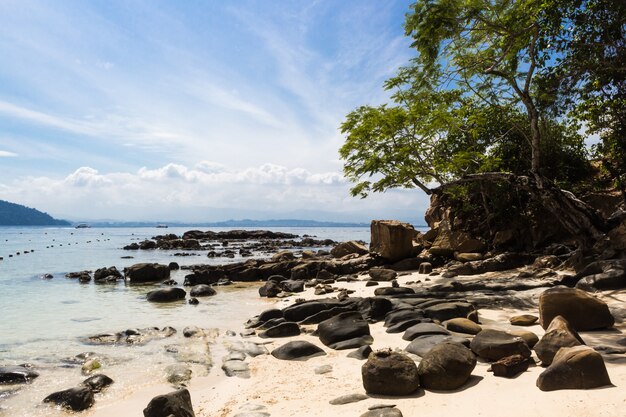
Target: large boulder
(493, 345)
(450, 310)
(147, 272)
(166, 295)
(297, 350)
(343, 328)
(389, 373)
(348, 248)
(391, 239)
(446, 366)
(578, 367)
(558, 335)
(581, 310)
(177, 404)
(75, 399)
(423, 329)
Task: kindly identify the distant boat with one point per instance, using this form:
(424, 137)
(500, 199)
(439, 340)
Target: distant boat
(161, 226)
(82, 226)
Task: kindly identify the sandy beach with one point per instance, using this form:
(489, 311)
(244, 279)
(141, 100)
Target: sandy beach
(283, 388)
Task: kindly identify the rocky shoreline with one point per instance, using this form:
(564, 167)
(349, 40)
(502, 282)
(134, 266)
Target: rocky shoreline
(416, 308)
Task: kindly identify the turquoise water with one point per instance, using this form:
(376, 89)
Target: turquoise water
(43, 321)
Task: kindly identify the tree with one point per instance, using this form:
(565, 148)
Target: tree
(587, 81)
(477, 62)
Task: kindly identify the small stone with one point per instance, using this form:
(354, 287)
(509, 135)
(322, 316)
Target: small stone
(379, 406)
(383, 412)
(461, 325)
(347, 399)
(324, 369)
(510, 366)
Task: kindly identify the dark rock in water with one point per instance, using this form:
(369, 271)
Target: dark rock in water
(285, 329)
(382, 274)
(47, 276)
(147, 272)
(202, 290)
(173, 266)
(361, 353)
(389, 373)
(523, 320)
(194, 301)
(391, 291)
(581, 310)
(107, 274)
(166, 295)
(192, 331)
(347, 399)
(97, 382)
(170, 282)
(78, 275)
(578, 367)
(510, 366)
(18, 374)
(422, 345)
(75, 399)
(204, 276)
(446, 366)
(447, 311)
(558, 335)
(297, 350)
(131, 336)
(177, 404)
(423, 329)
(342, 328)
(494, 345)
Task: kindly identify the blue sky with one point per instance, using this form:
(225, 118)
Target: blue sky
(192, 110)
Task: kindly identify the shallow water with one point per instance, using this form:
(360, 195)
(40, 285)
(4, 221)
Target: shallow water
(44, 321)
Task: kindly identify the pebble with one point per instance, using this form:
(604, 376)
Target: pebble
(347, 399)
(324, 369)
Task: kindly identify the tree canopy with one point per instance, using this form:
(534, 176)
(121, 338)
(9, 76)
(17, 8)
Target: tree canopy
(482, 95)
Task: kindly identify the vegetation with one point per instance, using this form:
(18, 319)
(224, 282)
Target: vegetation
(500, 86)
(17, 215)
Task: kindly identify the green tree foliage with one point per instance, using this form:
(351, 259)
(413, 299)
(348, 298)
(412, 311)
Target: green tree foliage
(469, 102)
(587, 80)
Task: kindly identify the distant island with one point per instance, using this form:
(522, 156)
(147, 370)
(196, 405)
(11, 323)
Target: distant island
(12, 214)
(233, 223)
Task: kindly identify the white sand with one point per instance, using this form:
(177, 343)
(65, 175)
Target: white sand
(289, 388)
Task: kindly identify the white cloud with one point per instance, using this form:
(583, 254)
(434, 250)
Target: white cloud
(171, 191)
(7, 154)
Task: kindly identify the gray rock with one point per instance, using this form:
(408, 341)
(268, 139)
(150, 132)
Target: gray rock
(493, 345)
(341, 328)
(389, 373)
(177, 373)
(324, 369)
(383, 412)
(297, 350)
(447, 311)
(446, 366)
(285, 329)
(236, 368)
(423, 329)
(19, 374)
(422, 345)
(347, 399)
(75, 399)
(249, 348)
(361, 353)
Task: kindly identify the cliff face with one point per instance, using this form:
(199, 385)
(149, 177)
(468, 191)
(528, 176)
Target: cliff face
(17, 215)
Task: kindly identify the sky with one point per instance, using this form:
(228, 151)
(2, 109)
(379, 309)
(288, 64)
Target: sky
(193, 110)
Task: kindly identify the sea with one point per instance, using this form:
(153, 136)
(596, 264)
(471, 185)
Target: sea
(45, 321)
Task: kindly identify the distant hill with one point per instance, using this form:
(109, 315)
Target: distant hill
(233, 223)
(12, 214)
